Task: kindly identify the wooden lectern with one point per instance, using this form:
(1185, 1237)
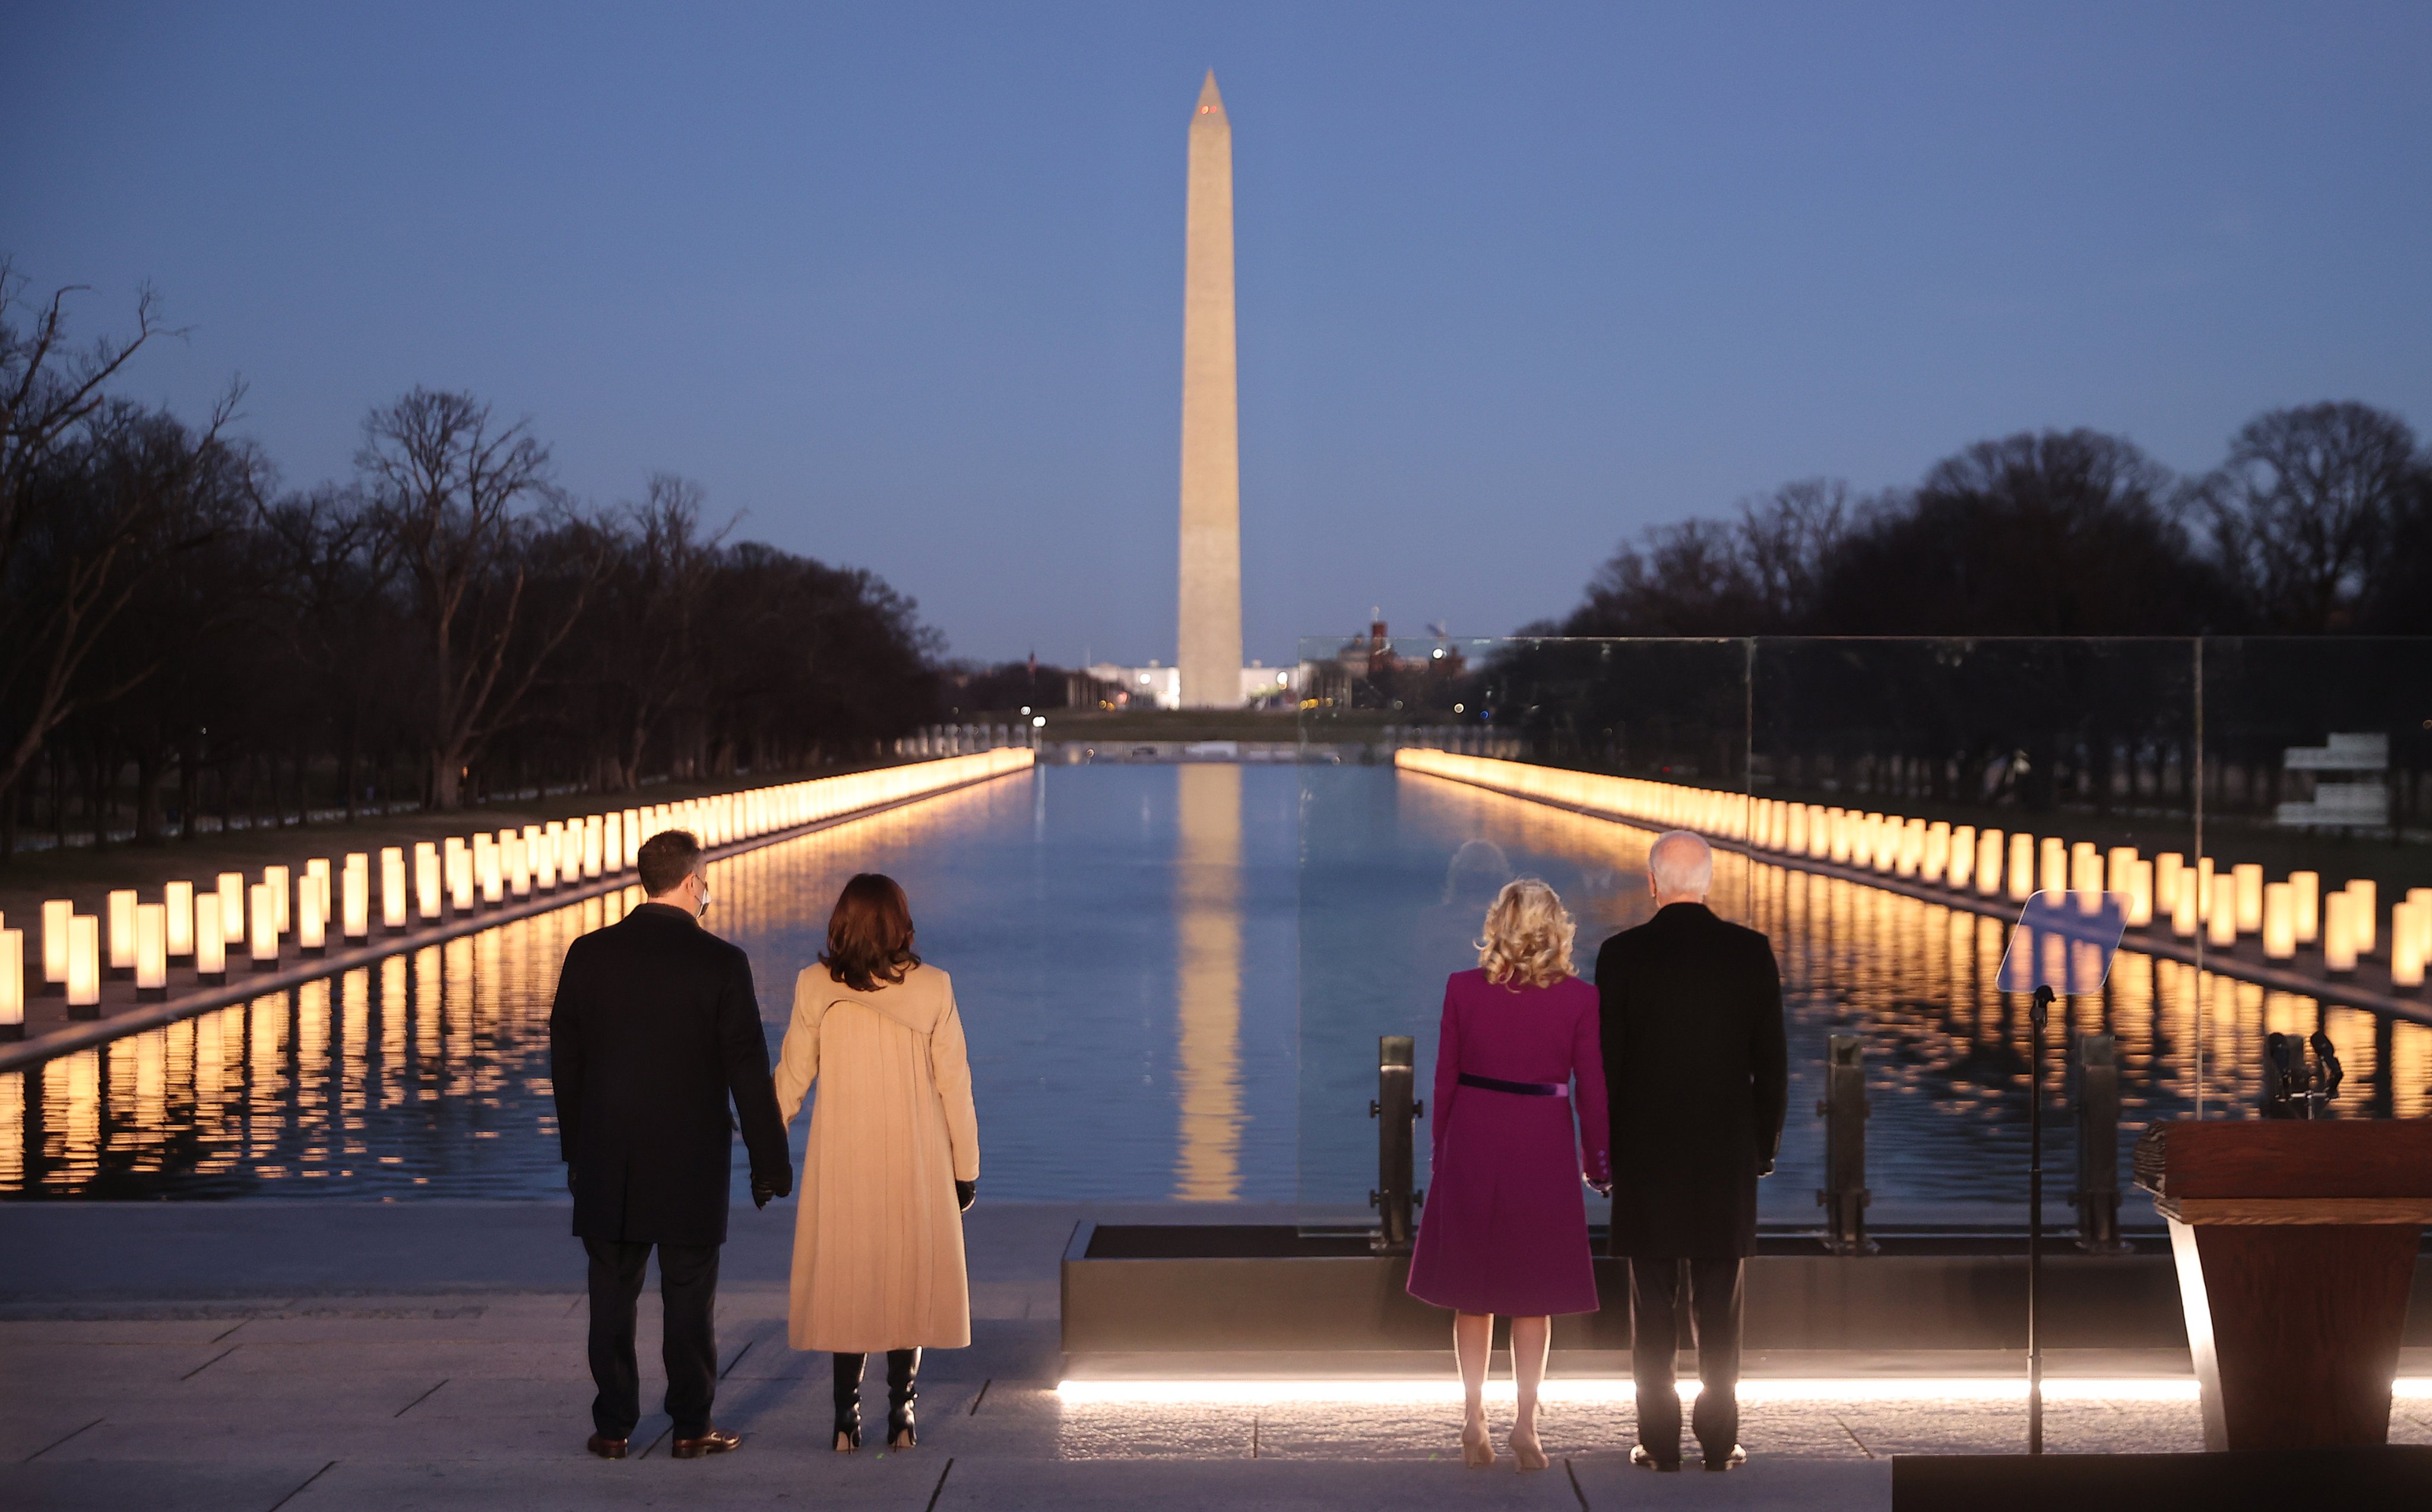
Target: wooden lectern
(2296, 1241)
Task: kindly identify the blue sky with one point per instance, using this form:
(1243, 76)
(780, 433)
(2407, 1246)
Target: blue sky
(902, 285)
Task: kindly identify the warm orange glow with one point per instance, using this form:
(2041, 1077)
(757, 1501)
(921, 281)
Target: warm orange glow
(313, 913)
(2022, 868)
(491, 877)
(1963, 857)
(84, 961)
(264, 934)
(282, 912)
(2279, 921)
(2339, 933)
(2185, 916)
(121, 914)
(2248, 880)
(594, 848)
(356, 914)
(56, 914)
(1990, 849)
(231, 890)
(2140, 893)
(2408, 929)
(319, 866)
(2220, 920)
(2053, 873)
(2364, 915)
(12, 980)
(179, 900)
(392, 904)
(151, 949)
(426, 881)
(2308, 888)
(210, 939)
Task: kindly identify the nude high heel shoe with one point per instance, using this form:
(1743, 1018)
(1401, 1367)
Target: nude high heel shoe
(1477, 1450)
(1526, 1450)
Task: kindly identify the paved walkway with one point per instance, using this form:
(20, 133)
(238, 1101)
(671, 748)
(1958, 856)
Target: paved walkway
(297, 1357)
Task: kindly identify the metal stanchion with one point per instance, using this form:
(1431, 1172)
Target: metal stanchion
(1843, 1108)
(2094, 1067)
(1396, 1111)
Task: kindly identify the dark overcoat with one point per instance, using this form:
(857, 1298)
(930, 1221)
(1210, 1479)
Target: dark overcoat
(654, 1028)
(1697, 1078)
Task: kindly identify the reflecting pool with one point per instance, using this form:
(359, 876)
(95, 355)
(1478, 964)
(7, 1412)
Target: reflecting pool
(1172, 979)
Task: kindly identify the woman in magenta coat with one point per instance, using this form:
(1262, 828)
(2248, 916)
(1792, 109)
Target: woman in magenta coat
(1505, 1229)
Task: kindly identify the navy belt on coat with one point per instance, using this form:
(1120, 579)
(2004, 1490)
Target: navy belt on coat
(1525, 1089)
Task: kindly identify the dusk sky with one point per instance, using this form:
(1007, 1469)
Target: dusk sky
(902, 285)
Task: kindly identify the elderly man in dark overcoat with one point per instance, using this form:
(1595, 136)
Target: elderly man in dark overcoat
(1697, 1076)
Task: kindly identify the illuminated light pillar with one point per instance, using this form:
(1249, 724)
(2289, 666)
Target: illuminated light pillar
(283, 915)
(178, 899)
(13, 984)
(2247, 882)
(2279, 921)
(263, 937)
(594, 848)
(1935, 862)
(319, 866)
(2408, 932)
(229, 885)
(313, 914)
(2364, 915)
(1963, 858)
(548, 854)
(611, 845)
(355, 920)
(460, 880)
(2186, 915)
(2339, 933)
(488, 871)
(393, 905)
(2117, 866)
(151, 950)
(2167, 867)
(211, 941)
(56, 913)
(2140, 893)
(426, 881)
(2054, 875)
(632, 834)
(2022, 868)
(121, 906)
(518, 867)
(2308, 887)
(84, 967)
(2220, 916)
(1990, 847)
(2085, 868)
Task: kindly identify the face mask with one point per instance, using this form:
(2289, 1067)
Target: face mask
(704, 900)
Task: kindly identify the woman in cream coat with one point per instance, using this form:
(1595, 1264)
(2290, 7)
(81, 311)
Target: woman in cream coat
(893, 1159)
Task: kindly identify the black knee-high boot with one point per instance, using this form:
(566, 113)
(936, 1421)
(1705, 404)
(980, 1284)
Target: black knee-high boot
(903, 1386)
(848, 1403)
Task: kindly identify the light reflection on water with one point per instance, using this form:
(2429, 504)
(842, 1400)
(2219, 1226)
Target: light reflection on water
(1171, 981)
(1946, 1054)
(1120, 941)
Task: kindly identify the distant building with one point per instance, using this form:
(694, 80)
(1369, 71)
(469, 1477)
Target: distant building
(1155, 686)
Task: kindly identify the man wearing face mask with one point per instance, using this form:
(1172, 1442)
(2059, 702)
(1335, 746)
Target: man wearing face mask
(656, 1027)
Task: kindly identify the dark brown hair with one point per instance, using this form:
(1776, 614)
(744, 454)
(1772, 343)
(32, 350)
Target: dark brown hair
(666, 859)
(869, 934)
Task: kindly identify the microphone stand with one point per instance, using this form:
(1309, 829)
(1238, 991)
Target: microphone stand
(2036, 1012)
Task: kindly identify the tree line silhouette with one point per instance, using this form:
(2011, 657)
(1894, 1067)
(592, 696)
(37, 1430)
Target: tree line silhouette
(179, 638)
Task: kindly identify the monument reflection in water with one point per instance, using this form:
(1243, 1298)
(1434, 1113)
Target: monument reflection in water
(1172, 980)
(1121, 940)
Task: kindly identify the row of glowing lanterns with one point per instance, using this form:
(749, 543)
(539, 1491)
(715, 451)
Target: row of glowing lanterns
(2222, 904)
(458, 875)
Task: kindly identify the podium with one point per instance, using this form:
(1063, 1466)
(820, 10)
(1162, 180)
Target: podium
(2295, 1242)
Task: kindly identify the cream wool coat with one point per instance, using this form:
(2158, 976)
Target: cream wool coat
(878, 1240)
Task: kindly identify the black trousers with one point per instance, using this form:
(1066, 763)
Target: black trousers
(1658, 1329)
(688, 1337)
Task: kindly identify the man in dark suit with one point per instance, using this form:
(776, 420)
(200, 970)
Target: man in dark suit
(1697, 1079)
(656, 1027)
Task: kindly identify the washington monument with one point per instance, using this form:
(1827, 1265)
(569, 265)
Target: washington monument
(1209, 654)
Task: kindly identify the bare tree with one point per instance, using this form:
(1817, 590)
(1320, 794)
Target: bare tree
(94, 493)
(2303, 508)
(653, 599)
(453, 496)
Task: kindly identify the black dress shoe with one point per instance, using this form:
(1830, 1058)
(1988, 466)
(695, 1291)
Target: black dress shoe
(715, 1440)
(606, 1448)
(1640, 1457)
(1737, 1456)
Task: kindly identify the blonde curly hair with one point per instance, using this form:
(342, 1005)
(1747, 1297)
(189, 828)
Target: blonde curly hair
(1529, 935)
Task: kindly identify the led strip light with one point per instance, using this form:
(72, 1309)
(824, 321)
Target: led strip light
(1437, 1391)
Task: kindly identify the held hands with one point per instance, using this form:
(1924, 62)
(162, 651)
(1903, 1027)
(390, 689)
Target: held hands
(763, 1188)
(966, 1193)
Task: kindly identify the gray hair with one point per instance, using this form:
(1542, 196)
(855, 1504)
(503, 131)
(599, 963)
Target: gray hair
(1682, 863)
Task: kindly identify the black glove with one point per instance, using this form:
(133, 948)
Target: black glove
(1764, 1167)
(966, 1193)
(1601, 1188)
(766, 1187)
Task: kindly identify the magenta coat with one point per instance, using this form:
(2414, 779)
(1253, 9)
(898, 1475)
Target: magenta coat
(1505, 1229)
